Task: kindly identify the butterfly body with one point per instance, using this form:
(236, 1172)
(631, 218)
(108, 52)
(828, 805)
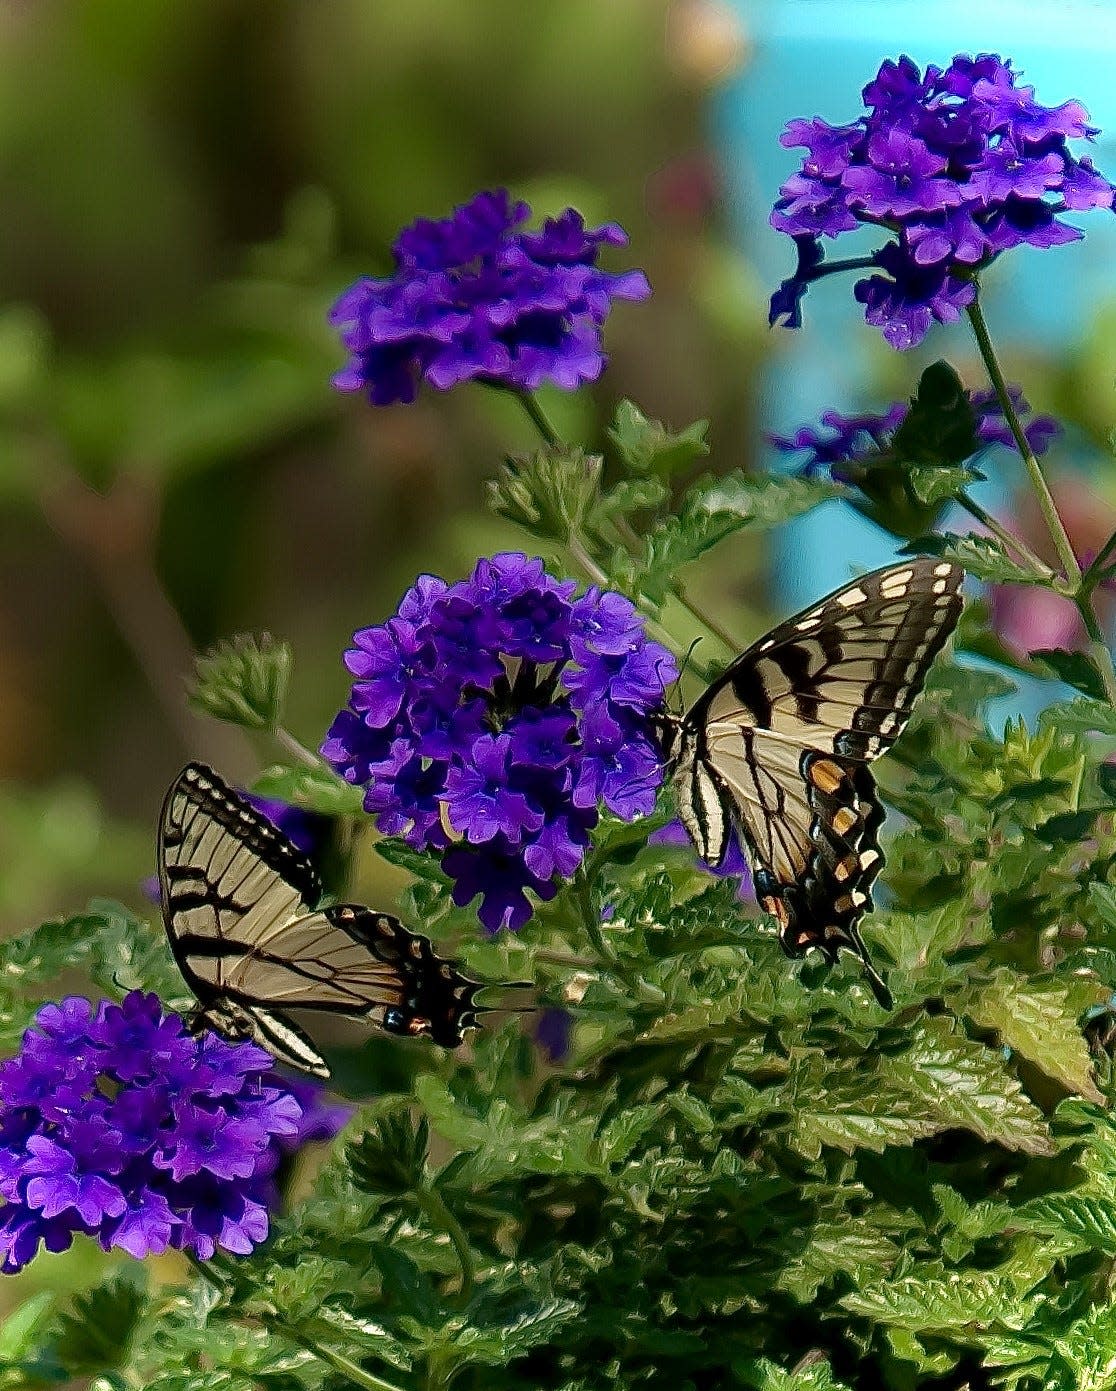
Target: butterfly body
(240, 906)
(779, 746)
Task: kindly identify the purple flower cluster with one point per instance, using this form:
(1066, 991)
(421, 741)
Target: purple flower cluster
(475, 296)
(958, 163)
(840, 443)
(492, 717)
(116, 1122)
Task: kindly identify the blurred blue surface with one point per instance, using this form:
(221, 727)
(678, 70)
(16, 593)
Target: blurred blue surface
(812, 57)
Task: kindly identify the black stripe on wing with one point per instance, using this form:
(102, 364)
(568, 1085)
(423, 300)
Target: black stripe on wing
(822, 906)
(199, 787)
(849, 669)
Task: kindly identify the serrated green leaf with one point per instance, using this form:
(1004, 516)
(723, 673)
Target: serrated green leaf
(1085, 717)
(1084, 1217)
(766, 499)
(939, 1301)
(311, 789)
(982, 556)
(420, 863)
(390, 1157)
(1074, 668)
(95, 1333)
(1089, 1349)
(647, 446)
(625, 499)
(932, 484)
(810, 1373)
(1039, 1020)
(531, 1327)
(962, 1083)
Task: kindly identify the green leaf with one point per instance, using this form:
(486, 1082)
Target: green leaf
(95, 1334)
(243, 681)
(647, 446)
(21, 1330)
(421, 863)
(766, 499)
(1075, 669)
(982, 556)
(933, 1300)
(932, 484)
(962, 1083)
(550, 493)
(390, 1157)
(627, 498)
(528, 1328)
(1039, 1020)
(1104, 900)
(1088, 1347)
(313, 789)
(1085, 717)
(810, 1373)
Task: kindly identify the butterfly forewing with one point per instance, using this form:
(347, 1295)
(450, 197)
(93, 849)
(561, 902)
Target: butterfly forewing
(781, 741)
(843, 675)
(239, 905)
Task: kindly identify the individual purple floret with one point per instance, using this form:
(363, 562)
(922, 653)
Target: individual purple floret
(957, 165)
(116, 1122)
(844, 442)
(491, 719)
(476, 297)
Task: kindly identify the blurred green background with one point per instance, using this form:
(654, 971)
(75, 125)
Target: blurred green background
(186, 188)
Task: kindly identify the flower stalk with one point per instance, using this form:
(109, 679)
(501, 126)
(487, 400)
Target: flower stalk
(1080, 589)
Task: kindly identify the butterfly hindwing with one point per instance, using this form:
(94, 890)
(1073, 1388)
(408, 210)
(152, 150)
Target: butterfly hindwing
(779, 746)
(240, 909)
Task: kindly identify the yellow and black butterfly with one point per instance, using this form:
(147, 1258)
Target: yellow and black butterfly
(240, 905)
(779, 746)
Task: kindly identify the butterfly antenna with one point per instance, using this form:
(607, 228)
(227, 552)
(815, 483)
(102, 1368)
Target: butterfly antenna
(686, 662)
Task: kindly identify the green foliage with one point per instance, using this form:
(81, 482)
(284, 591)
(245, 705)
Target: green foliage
(648, 447)
(244, 681)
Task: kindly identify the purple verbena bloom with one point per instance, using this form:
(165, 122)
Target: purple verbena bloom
(499, 749)
(905, 302)
(156, 1138)
(851, 441)
(956, 165)
(476, 297)
(553, 1031)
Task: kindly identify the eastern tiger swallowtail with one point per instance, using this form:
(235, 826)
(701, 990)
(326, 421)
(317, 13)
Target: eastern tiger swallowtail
(240, 908)
(778, 746)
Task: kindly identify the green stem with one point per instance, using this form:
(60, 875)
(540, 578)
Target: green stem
(1081, 592)
(580, 553)
(296, 748)
(590, 919)
(539, 419)
(337, 1360)
(1007, 540)
(434, 1205)
(1038, 481)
